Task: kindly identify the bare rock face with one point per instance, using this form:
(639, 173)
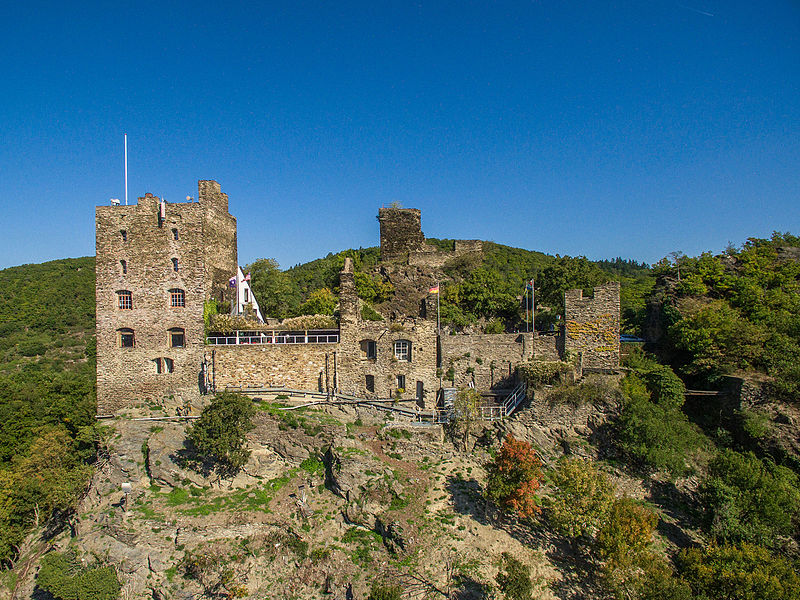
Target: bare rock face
(366, 483)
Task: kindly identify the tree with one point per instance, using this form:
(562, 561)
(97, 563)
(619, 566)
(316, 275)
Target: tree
(219, 434)
(62, 575)
(272, 288)
(466, 417)
(514, 476)
(514, 578)
(749, 499)
(581, 498)
(630, 569)
(320, 302)
(744, 572)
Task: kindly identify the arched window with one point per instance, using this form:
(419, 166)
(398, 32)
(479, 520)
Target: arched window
(126, 338)
(124, 300)
(175, 264)
(124, 265)
(177, 298)
(369, 350)
(177, 337)
(402, 350)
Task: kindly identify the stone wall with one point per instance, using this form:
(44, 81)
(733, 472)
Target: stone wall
(401, 232)
(219, 234)
(367, 350)
(592, 326)
(296, 366)
(127, 375)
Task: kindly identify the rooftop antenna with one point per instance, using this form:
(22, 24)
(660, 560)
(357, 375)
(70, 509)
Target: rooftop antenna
(126, 169)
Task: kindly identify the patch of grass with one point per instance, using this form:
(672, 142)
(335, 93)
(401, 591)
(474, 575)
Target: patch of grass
(398, 503)
(313, 466)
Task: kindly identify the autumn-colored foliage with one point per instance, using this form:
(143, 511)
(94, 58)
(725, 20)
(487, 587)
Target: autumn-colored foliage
(514, 478)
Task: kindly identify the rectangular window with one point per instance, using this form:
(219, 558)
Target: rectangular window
(158, 365)
(369, 349)
(246, 295)
(177, 338)
(175, 264)
(174, 234)
(126, 339)
(370, 383)
(125, 300)
(401, 382)
(169, 365)
(124, 265)
(402, 350)
(177, 298)
(124, 235)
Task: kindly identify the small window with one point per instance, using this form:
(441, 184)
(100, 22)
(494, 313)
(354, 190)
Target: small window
(177, 298)
(174, 234)
(169, 365)
(126, 338)
(370, 383)
(124, 300)
(177, 337)
(401, 382)
(157, 361)
(124, 235)
(124, 265)
(369, 349)
(402, 350)
(246, 295)
(175, 264)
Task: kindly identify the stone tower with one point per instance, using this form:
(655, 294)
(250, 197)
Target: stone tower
(156, 265)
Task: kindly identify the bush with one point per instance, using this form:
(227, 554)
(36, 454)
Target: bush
(744, 571)
(219, 434)
(749, 499)
(655, 435)
(581, 499)
(514, 476)
(385, 591)
(514, 578)
(61, 575)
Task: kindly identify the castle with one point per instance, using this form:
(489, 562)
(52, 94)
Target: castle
(158, 264)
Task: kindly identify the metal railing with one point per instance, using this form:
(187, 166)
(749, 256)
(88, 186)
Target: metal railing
(244, 338)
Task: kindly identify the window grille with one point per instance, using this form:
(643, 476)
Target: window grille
(402, 350)
(125, 300)
(177, 298)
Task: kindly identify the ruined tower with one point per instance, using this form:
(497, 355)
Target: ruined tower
(157, 264)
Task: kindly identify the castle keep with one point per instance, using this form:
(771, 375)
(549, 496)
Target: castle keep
(159, 263)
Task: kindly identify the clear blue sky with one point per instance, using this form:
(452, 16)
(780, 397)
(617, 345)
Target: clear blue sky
(585, 128)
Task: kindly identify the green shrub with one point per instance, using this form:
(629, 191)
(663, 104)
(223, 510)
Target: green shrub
(658, 436)
(581, 498)
(385, 591)
(743, 571)
(370, 314)
(61, 575)
(514, 578)
(219, 434)
(749, 499)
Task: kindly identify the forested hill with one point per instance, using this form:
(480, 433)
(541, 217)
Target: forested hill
(485, 289)
(47, 391)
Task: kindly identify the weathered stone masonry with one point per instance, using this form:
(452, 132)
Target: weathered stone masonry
(153, 249)
(189, 247)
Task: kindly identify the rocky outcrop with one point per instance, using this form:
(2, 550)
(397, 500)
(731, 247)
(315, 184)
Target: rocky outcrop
(363, 481)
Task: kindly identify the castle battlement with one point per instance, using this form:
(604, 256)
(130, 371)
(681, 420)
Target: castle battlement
(158, 264)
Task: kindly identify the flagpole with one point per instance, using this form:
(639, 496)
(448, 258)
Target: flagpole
(526, 307)
(126, 169)
(438, 293)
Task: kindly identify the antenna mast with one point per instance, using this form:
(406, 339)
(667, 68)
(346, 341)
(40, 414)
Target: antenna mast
(126, 169)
